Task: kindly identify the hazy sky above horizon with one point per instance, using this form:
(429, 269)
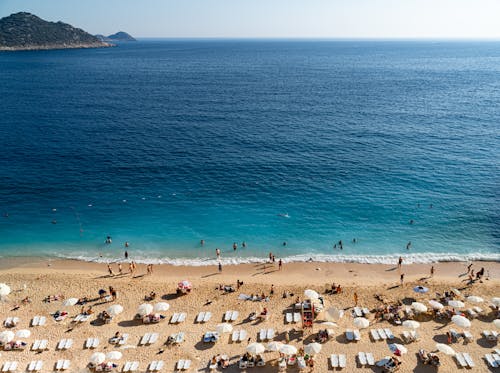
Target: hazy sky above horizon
(273, 18)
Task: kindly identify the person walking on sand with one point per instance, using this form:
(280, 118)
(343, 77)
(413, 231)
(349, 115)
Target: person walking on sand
(220, 267)
(217, 253)
(131, 268)
(355, 299)
(401, 278)
(400, 261)
(110, 270)
(432, 271)
(280, 264)
(120, 269)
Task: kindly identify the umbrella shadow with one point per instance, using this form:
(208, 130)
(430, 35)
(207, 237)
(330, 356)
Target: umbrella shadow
(170, 296)
(129, 323)
(440, 338)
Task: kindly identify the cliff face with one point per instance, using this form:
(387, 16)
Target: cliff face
(25, 31)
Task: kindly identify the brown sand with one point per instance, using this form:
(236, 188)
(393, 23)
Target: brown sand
(78, 279)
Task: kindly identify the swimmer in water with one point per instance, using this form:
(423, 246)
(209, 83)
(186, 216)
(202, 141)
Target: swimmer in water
(411, 221)
(284, 243)
(285, 215)
(408, 245)
(235, 246)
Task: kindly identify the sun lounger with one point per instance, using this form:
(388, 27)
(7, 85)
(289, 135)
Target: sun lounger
(492, 363)
(63, 364)
(92, 343)
(200, 317)
(282, 365)
(370, 359)
(362, 358)
(467, 336)
(210, 337)
(334, 360)
(460, 360)
(174, 319)
(9, 366)
(180, 364)
(358, 312)
(388, 333)
(472, 314)
(127, 366)
(289, 317)
(469, 360)
(243, 335)
(477, 309)
(349, 335)
(296, 317)
(64, 344)
(227, 315)
(207, 317)
(36, 345)
(145, 339)
(179, 338)
(382, 334)
(301, 363)
(242, 364)
(35, 321)
(35, 366)
(342, 361)
(10, 322)
(263, 334)
(374, 334)
(357, 335)
(156, 365)
(123, 339)
(490, 335)
(270, 334)
(235, 337)
(292, 360)
(182, 317)
(365, 311)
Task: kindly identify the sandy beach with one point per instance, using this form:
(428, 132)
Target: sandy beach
(39, 278)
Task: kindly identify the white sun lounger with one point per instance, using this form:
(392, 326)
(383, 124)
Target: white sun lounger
(200, 317)
(270, 334)
(235, 337)
(35, 366)
(207, 317)
(357, 335)
(182, 317)
(289, 317)
(334, 360)
(145, 339)
(370, 359)
(382, 334)
(472, 314)
(123, 339)
(349, 335)
(179, 337)
(365, 311)
(362, 358)
(156, 365)
(63, 364)
(342, 361)
(175, 318)
(40, 344)
(153, 338)
(263, 334)
(374, 334)
(11, 322)
(388, 333)
(35, 321)
(92, 343)
(460, 360)
(358, 311)
(183, 364)
(468, 336)
(9, 366)
(477, 309)
(468, 360)
(227, 315)
(243, 335)
(490, 359)
(65, 344)
(296, 317)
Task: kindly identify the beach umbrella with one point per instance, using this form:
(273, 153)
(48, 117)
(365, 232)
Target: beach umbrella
(436, 305)
(97, 358)
(411, 324)
(312, 348)
(23, 333)
(161, 306)
(497, 323)
(419, 307)
(114, 355)
(114, 310)
(70, 302)
(475, 299)
(445, 349)
(361, 322)
(255, 348)
(456, 304)
(4, 290)
(397, 349)
(274, 346)
(288, 350)
(456, 291)
(145, 309)
(311, 294)
(461, 321)
(329, 323)
(495, 301)
(420, 289)
(333, 314)
(224, 328)
(6, 336)
(184, 284)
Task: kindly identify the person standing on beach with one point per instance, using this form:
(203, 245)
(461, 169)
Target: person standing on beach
(217, 253)
(120, 269)
(110, 270)
(130, 268)
(280, 264)
(220, 267)
(400, 261)
(432, 271)
(401, 278)
(355, 299)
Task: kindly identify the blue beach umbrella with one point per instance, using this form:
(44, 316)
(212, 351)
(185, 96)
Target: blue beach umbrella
(420, 289)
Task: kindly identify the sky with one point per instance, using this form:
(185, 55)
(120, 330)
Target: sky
(435, 19)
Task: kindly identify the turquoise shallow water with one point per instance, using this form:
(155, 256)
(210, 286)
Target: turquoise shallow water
(164, 143)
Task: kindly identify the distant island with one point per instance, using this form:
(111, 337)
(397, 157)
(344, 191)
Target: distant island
(119, 36)
(25, 31)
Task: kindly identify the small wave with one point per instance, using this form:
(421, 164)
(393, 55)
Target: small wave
(422, 258)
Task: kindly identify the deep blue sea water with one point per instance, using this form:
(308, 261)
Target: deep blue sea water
(163, 143)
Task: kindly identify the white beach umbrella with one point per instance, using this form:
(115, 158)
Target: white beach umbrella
(255, 348)
(396, 348)
(445, 349)
(497, 323)
(333, 314)
(224, 328)
(70, 302)
(161, 306)
(475, 299)
(456, 291)
(329, 323)
(436, 305)
(419, 307)
(495, 301)
(312, 348)
(6, 336)
(461, 321)
(361, 322)
(274, 346)
(145, 309)
(97, 358)
(114, 355)
(23, 333)
(411, 324)
(288, 350)
(114, 310)
(311, 294)
(4, 290)
(456, 304)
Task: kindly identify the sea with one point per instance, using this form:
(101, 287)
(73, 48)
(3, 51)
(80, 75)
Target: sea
(289, 146)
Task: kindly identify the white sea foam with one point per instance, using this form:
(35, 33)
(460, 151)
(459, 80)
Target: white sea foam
(367, 259)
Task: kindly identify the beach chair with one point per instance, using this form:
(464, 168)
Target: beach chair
(127, 366)
(388, 333)
(296, 317)
(362, 358)
(243, 335)
(43, 345)
(156, 365)
(235, 337)
(227, 315)
(334, 361)
(175, 318)
(35, 366)
(145, 339)
(468, 360)
(10, 322)
(35, 321)
(357, 335)
(349, 335)
(282, 365)
(472, 314)
(289, 317)
(180, 364)
(342, 361)
(200, 317)
(492, 363)
(242, 364)
(467, 336)
(301, 363)
(292, 360)
(263, 334)
(382, 334)
(92, 343)
(365, 311)
(36, 345)
(489, 335)
(370, 359)
(406, 337)
(153, 338)
(270, 334)
(460, 360)
(9, 366)
(207, 316)
(477, 309)
(375, 335)
(59, 364)
(65, 344)
(123, 339)
(182, 317)
(358, 312)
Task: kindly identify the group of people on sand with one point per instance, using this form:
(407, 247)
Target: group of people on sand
(132, 268)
